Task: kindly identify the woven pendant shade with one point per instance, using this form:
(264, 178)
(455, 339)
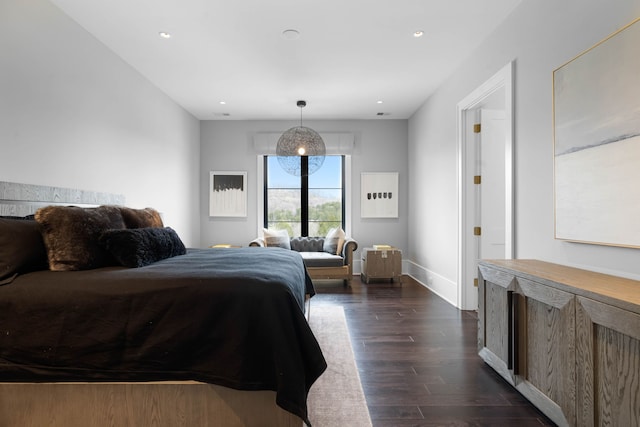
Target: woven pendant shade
(300, 141)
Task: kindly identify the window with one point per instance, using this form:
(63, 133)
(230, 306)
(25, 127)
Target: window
(305, 205)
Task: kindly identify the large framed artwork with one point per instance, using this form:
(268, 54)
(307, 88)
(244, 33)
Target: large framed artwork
(379, 195)
(597, 143)
(228, 194)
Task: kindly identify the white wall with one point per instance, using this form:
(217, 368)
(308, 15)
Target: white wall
(540, 36)
(380, 146)
(73, 114)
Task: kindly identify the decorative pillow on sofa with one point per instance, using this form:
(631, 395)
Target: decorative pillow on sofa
(71, 235)
(334, 241)
(276, 239)
(21, 248)
(141, 218)
(137, 247)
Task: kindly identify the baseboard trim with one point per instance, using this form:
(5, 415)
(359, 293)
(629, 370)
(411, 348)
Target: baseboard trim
(439, 285)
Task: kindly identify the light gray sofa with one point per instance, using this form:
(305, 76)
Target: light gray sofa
(321, 264)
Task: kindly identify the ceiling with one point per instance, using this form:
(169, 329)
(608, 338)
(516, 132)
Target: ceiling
(349, 54)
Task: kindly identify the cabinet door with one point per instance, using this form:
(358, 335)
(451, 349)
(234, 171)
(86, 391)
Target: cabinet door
(608, 365)
(495, 320)
(545, 362)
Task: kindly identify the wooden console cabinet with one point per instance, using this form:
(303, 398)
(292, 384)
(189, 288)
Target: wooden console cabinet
(567, 339)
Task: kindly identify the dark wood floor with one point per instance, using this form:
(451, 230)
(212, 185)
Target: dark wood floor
(418, 362)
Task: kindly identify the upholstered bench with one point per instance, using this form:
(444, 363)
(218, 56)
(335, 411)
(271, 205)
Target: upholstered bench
(320, 263)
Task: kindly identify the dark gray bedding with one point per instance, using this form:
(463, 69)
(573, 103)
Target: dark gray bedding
(232, 317)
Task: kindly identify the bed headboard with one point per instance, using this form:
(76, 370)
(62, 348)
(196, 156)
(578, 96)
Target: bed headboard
(24, 199)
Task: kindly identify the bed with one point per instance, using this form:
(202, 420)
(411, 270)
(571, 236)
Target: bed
(214, 337)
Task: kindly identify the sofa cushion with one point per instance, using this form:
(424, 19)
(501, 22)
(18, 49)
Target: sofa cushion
(307, 244)
(276, 238)
(334, 240)
(321, 259)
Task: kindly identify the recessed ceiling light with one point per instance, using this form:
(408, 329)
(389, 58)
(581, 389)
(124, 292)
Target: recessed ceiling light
(291, 34)
(379, 102)
(164, 35)
(418, 33)
(223, 103)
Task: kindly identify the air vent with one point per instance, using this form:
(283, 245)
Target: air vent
(382, 114)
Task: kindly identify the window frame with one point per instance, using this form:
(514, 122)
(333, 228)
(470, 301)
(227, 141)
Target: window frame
(262, 218)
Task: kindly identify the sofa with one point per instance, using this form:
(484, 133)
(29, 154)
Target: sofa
(321, 264)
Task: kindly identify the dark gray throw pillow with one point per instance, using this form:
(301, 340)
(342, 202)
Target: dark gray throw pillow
(137, 247)
(21, 248)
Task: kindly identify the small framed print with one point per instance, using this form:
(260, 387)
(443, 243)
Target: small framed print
(228, 193)
(379, 195)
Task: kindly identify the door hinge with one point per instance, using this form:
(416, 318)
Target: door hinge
(477, 179)
(477, 231)
(477, 127)
(475, 282)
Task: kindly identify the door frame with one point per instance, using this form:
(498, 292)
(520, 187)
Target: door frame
(503, 79)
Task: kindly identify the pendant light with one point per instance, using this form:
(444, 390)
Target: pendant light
(297, 142)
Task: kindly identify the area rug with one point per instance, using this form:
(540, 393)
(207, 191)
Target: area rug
(336, 398)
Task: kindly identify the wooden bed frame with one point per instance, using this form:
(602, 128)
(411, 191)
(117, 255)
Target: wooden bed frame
(123, 404)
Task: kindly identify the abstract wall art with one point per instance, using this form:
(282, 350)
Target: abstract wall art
(597, 143)
(228, 194)
(379, 195)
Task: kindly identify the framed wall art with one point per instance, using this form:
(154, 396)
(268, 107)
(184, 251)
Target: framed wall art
(228, 194)
(597, 143)
(379, 195)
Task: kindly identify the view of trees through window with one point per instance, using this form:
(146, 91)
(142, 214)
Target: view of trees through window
(285, 197)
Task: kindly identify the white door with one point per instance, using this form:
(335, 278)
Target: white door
(494, 164)
(491, 200)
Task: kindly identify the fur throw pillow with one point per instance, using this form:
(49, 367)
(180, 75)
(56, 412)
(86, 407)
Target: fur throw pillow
(137, 247)
(71, 235)
(141, 218)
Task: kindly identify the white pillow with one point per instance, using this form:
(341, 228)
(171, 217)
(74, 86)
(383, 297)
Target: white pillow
(334, 241)
(276, 238)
